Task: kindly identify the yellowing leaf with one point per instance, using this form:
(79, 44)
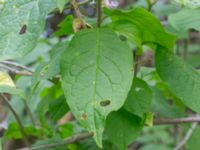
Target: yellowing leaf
(6, 80)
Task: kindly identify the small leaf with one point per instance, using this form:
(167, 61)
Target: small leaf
(96, 67)
(139, 99)
(65, 27)
(122, 128)
(181, 78)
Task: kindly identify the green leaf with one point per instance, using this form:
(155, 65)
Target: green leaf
(122, 128)
(96, 74)
(65, 27)
(13, 91)
(47, 70)
(139, 98)
(185, 19)
(181, 78)
(140, 27)
(58, 108)
(21, 23)
(50, 96)
(13, 131)
(61, 4)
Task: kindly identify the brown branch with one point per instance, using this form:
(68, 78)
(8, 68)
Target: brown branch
(21, 127)
(15, 71)
(16, 65)
(69, 140)
(162, 121)
(187, 136)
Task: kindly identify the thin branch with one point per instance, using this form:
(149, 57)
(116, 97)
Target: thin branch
(21, 127)
(16, 65)
(14, 71)
(69, 140)
(187, 136)
(78, 12)
(99, 13)
(163, 121)
(83, 136)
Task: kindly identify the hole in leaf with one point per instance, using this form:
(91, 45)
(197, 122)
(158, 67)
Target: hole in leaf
(84, 116)
(105, 103)
(23, 30)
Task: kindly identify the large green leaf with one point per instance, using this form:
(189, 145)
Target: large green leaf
(96, 74)
(21, 23)
(141, 27)
(122, 128)
(139, 98)
(185, 19)
(181, 78)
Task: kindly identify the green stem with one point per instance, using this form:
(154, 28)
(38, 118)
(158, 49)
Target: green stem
(21, 127)
(99, 13)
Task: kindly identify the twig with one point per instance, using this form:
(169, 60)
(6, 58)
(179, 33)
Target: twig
(83, 136)
(177, 120)
(187, 136)
(99, 13)
(78, 12)
(69, 140)
(14, 71)
(16, 65)
(21, 127)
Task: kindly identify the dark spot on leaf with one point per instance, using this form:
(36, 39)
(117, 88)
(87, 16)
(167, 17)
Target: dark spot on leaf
(105, 103)
(23, 30)
(84, 116)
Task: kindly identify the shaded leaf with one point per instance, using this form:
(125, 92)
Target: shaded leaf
(122, 128)
(181, 78)
(139, 98)
(58, 108)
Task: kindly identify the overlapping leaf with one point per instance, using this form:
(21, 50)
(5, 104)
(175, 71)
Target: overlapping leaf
(182, 79)
(139, 99)
(96, 74)
(141, 27)
(122, 128)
